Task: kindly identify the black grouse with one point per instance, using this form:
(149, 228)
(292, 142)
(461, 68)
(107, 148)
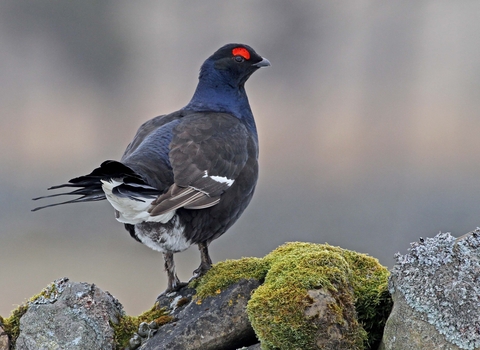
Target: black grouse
(187, 176)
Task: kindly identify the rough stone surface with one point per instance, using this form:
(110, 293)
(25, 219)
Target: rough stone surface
(407, 330)
(4, 341)
(436, 290)
(257, 346)
(215, 323)
(69, 315)
(331, 333)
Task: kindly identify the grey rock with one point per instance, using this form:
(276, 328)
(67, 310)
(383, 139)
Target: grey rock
(153, 325)
(216, 323)
(436, 288)
(176, 301)
(135, 342)
(255, 347)
(4, 341)
(70, 316)
(331, 334)
(252, 347)
(144, 330)
(406, 329)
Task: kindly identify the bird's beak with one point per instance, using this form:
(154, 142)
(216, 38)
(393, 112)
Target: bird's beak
(263, 63)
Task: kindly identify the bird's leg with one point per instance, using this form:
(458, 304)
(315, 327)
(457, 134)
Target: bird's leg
(205, 261)
(174, 283)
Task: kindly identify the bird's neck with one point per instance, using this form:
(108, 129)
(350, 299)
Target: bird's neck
(213, 94)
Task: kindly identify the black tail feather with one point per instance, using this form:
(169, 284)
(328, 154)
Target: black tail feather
(76, 200)
(80, 192)
(90, 186)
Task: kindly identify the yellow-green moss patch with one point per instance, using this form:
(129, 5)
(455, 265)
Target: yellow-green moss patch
(11, 325)
(277, 308)
(128, 325)
(373, 301)
(228, 272)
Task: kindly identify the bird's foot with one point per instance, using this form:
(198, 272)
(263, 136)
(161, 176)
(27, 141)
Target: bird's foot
(173, 289)
(200, 271)
(205, 262)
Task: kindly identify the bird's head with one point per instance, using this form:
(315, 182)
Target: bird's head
(233, 64)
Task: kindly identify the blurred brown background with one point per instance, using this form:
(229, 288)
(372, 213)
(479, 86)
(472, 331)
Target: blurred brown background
(368, 122)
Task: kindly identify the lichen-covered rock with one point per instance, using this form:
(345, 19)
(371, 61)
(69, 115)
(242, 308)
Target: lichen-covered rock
(436, 290)
(213, 323)
(69, 315)
(406, 329)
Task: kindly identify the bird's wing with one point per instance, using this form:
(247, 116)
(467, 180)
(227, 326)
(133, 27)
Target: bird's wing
(207, 152)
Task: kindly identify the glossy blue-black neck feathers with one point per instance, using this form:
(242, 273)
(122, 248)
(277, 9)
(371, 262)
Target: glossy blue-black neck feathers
(219, 91)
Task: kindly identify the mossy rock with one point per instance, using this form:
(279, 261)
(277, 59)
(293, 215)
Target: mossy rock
(294, 277)
(228, 272)
(290, 274)
(123, 330)
(11, 325)
(128, 325)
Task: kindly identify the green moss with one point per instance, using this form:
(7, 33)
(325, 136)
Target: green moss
(228, 272)
(183, 301)
(373, 300)
(128, 325)
(11, 325)
(277, 308)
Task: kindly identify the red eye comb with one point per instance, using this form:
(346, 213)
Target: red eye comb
(241, 51)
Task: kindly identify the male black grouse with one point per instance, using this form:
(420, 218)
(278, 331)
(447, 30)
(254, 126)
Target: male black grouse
(187, 176)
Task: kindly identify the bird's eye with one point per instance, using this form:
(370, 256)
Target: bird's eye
(239, 59)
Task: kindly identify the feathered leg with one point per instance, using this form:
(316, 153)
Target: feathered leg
(174, 283)
(205, 261)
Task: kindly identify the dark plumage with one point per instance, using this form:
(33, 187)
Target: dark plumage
(187, 176)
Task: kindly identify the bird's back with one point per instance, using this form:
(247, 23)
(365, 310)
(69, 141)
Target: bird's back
(147, 154)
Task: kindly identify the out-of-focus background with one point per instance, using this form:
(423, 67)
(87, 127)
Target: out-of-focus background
(369, 124)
